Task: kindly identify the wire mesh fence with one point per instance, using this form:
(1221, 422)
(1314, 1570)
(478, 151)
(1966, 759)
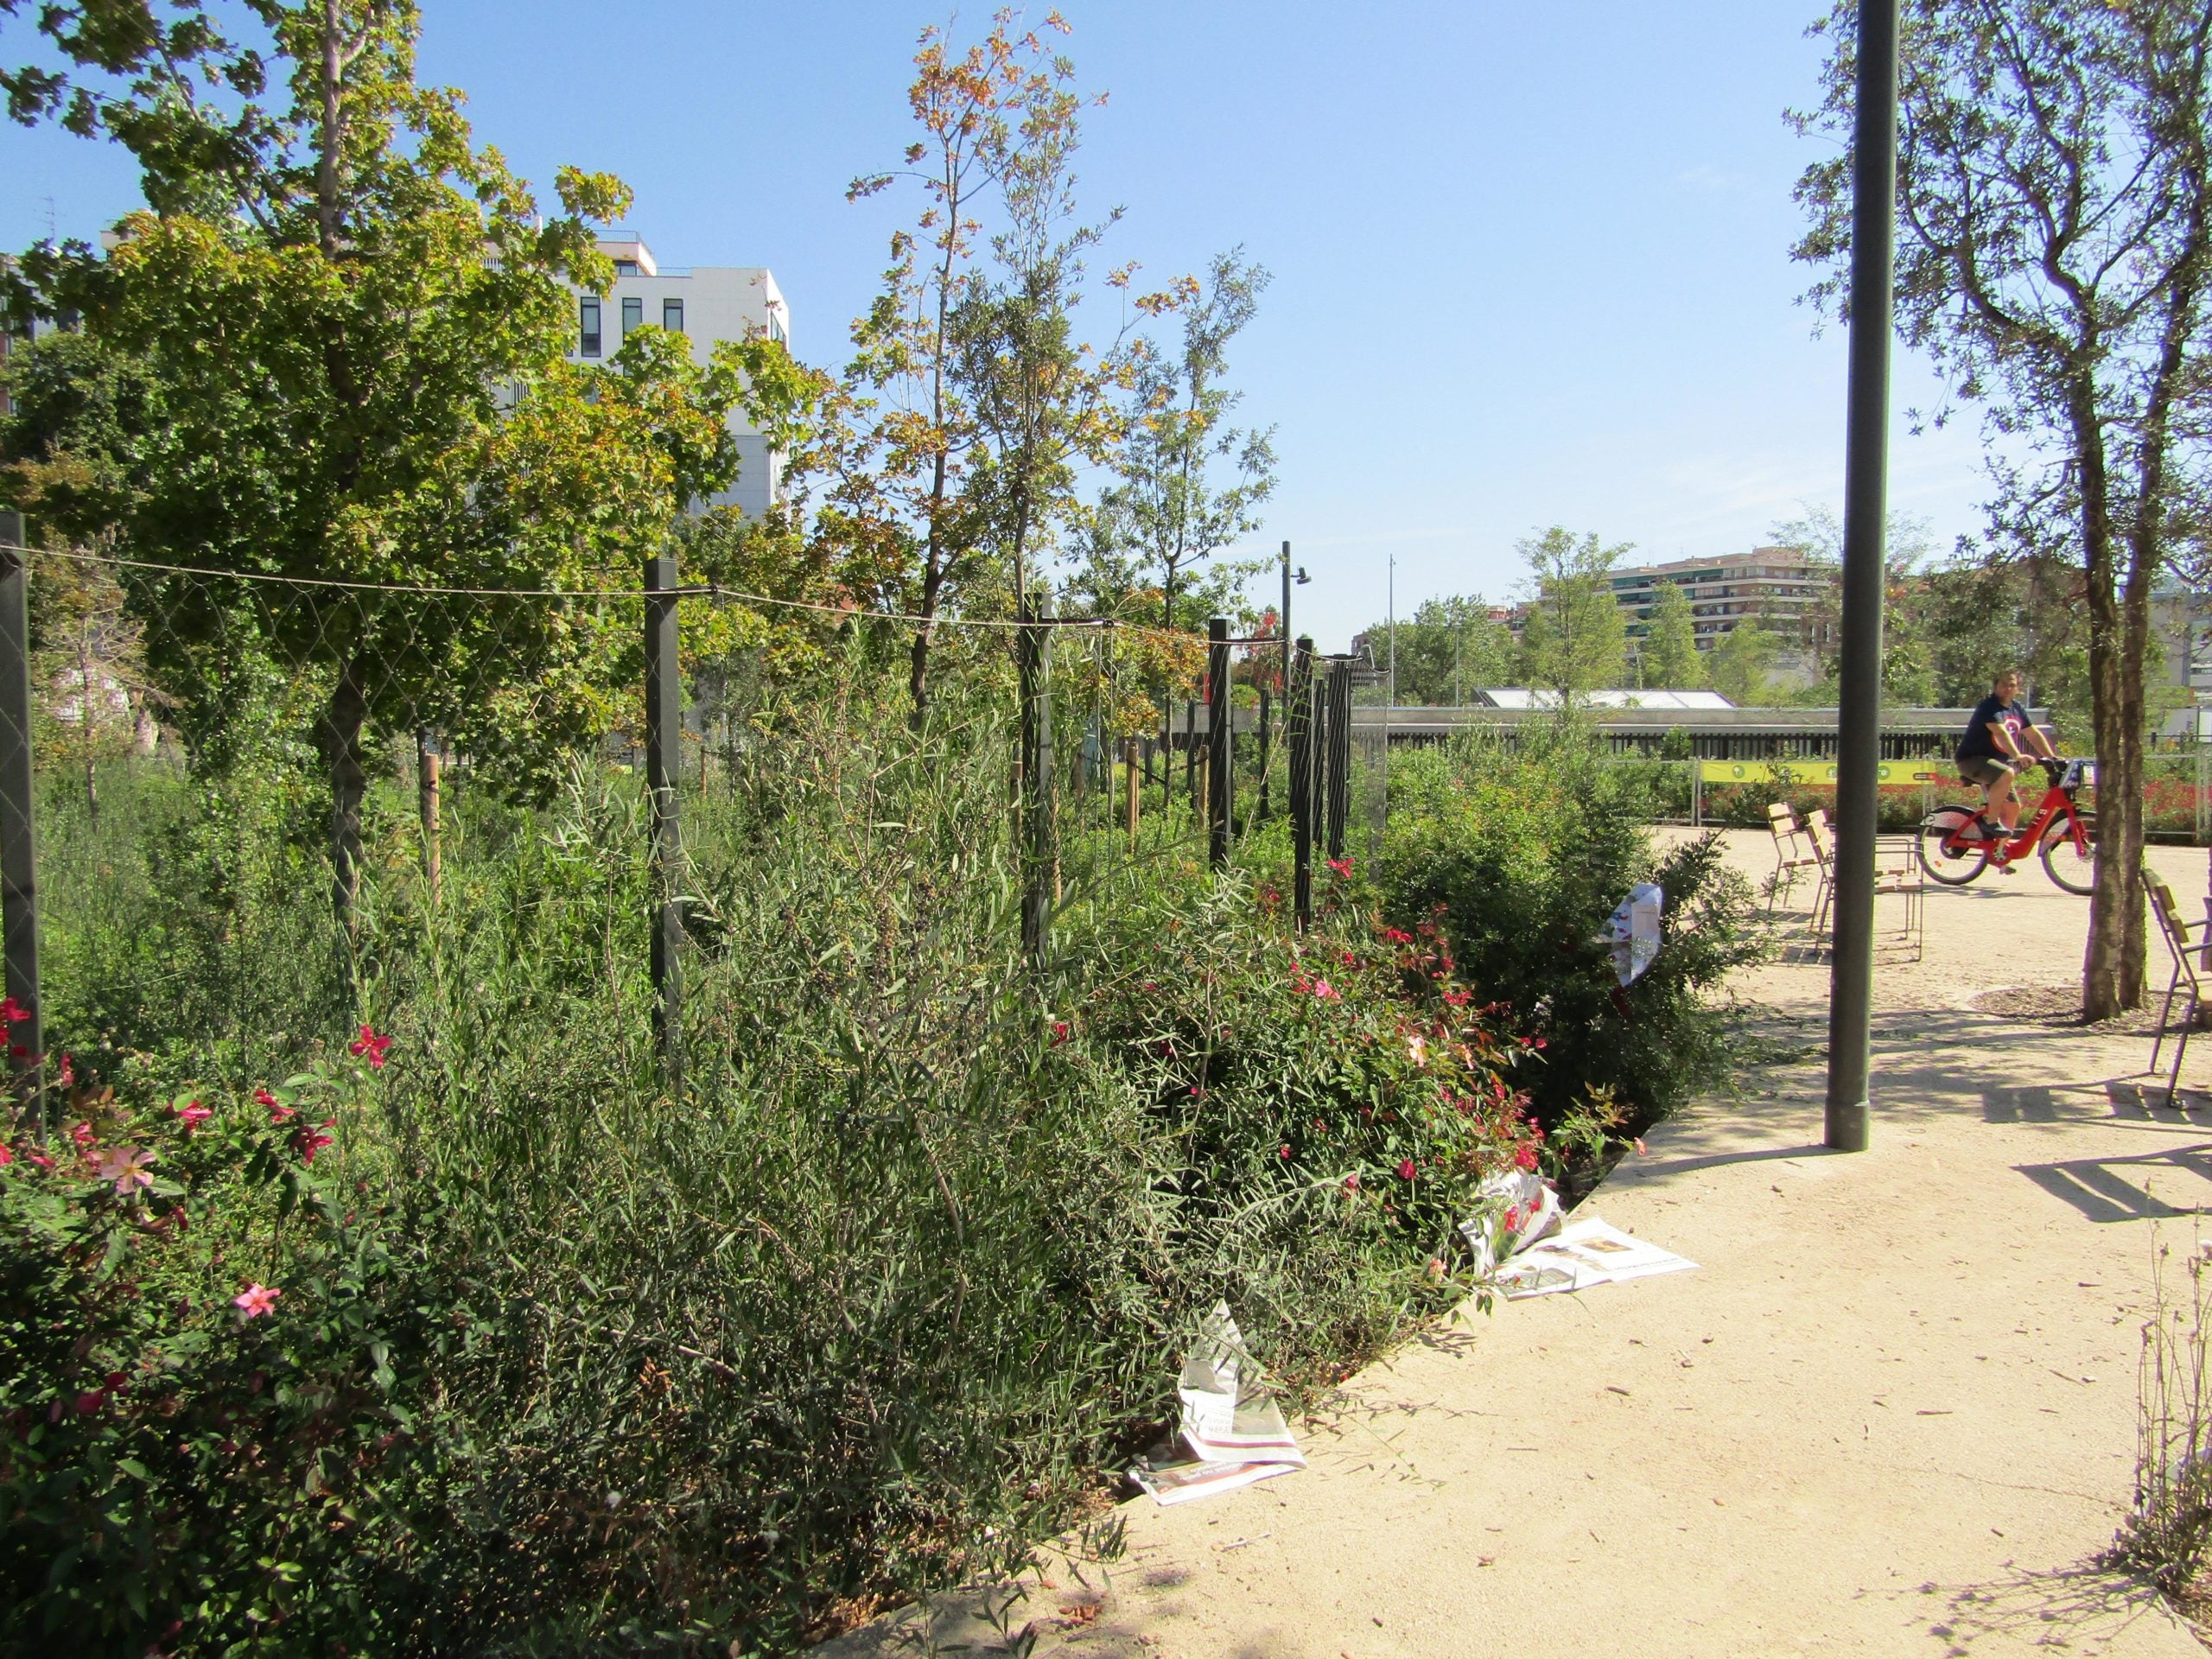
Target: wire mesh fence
(266, 806)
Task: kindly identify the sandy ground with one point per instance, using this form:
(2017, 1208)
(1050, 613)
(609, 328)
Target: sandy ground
(1893, 1412)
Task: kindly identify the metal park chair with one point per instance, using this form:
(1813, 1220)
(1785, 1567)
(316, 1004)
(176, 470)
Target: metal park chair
(1896, 874)
(2187, 956)
(1789, 855)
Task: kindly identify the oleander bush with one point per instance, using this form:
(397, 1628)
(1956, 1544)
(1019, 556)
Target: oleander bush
(503, 1346)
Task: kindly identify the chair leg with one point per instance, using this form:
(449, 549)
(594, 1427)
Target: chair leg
(2165, 1014)
(2181, 1047)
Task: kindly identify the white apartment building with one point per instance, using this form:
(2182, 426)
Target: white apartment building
(705, 303)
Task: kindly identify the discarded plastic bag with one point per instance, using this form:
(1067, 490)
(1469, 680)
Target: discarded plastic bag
(1633, 931)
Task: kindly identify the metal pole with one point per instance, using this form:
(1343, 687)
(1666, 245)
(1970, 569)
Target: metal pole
(1299, 715)
(1864, 509)
(664, 728)
(1221, 777)
(1032, 646)
(1339, 742)
(26, 1037)
(1267, 737)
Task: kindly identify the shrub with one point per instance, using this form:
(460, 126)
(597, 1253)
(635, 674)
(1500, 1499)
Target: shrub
(1518, 863)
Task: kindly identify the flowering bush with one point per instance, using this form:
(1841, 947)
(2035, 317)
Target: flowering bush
(209, 1379)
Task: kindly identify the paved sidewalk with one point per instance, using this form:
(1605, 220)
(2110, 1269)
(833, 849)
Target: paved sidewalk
(1892, 1414)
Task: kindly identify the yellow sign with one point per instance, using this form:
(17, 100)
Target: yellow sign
(1821, 775)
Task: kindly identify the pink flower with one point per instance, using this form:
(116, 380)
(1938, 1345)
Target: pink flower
(1525, 1156)
(40, 1160)
(7, 1156)
(126, 1167)
(370, 1044)
(1512, 1218)
(1326, 991)
(1282, 1151)
(1060, 1032)
(1342, 866)
(257, 1300)
(1352, 1182)
(192, 1116)
(1417, 1046)
(278, 1112)
(1405, 1169)
(68, 1073)
(82, 1135)
(12, 1011)
(1640, 1151)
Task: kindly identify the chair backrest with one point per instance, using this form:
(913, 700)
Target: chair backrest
(1817, 831)
(1781, 821)
(2164, 906)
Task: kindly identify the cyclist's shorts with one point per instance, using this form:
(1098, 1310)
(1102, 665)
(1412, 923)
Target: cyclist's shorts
(1986, 771)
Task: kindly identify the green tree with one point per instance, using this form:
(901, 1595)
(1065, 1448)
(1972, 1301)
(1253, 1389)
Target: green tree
(2055, 205)
(1167, 507)
(1672, 661)
(357, 321)
(1574, 640)
(1448, 648)
(1742, 659)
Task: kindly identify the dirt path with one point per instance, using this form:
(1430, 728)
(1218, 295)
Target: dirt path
(1892, 1414)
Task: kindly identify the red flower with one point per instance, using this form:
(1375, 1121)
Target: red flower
(1348, 960)
(12, 1011)
(68, 1073)
(1342, 866)
(1352, 1182)
(309, 1142)
(1525, 1155)
(82, 1135)
(1282, 1151)
(192, 1116)
(370, 1044)
(1405, 1169)
(1512, 1216)
(1060, 1032)
(7, 1156)
(89, 1403)
(40, 1160)
(254, 1301)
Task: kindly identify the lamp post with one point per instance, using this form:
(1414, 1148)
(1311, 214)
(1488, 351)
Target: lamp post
(1865, 481)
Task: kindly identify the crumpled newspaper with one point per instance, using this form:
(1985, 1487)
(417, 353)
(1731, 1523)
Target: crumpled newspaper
(1515, 1208)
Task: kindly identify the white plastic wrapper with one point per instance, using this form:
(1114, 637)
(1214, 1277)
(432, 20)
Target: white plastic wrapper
(1634, 930)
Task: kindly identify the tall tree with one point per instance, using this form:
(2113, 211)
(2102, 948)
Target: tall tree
(1743, 658)
(1574, 640)
(1167, 506)
(358, 321)
(901, 478)
(2055, 203)
(1671, 660)
(1449, 648)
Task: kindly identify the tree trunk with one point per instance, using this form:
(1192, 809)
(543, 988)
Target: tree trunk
(2107, 985)
(345, 723)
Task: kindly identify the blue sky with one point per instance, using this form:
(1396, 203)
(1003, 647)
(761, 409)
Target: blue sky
(1530, 263)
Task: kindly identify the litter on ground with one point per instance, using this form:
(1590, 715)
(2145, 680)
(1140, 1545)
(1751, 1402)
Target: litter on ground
(1230, 1434)
(1583, 1254)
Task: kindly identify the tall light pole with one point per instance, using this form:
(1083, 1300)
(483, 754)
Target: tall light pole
(1865, 488)
(1390, 591)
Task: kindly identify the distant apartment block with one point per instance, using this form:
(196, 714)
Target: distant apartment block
(707, 304)
(1778, 587)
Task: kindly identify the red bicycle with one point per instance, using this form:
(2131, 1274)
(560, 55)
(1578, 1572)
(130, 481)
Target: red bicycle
(1954, 848)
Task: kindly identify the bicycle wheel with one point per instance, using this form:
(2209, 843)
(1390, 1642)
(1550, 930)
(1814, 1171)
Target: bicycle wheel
(2072, 866)
(1952, 865)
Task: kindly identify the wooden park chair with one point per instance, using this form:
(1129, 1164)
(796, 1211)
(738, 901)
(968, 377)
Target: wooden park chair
(1791, 854)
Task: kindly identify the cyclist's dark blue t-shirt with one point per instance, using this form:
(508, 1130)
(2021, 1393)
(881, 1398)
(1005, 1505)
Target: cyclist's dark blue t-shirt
(1978, 744)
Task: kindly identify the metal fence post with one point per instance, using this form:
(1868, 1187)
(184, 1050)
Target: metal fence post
(1032, 669)
(1299, 715)
(1339, 743)
(1266, 736)
(26, 1037)
(663, 729)
(1221, 775)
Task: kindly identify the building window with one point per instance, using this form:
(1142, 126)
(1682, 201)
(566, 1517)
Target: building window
(776, 324)
(671, 315)
(625, 267)
(588, 329)
(633, 315)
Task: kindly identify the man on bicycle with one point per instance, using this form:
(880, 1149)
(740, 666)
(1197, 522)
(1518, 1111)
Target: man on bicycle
(2000, 741)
